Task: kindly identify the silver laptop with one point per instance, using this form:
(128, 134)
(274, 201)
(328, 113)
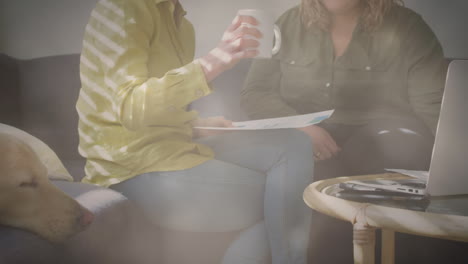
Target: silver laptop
(448, 172)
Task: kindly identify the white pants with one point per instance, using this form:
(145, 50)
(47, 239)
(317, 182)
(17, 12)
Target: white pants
(254, 183)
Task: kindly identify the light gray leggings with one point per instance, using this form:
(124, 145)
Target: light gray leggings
(255, 184)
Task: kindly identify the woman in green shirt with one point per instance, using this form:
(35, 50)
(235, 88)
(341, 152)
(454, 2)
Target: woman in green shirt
(138, 77)
(376, 63)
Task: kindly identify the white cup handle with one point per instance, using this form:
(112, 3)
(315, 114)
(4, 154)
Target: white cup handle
(277, 46)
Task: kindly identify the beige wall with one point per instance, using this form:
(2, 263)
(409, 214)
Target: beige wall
(211, 17)
(448, 19)
(36, 28)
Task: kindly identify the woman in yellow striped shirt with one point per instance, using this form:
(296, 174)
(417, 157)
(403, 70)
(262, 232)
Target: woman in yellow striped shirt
(138, 77)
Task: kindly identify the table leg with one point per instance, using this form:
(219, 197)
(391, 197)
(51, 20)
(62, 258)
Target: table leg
(388, 246)
(364, 244)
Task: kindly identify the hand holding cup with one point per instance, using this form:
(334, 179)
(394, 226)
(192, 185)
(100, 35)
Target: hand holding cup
(239, 41)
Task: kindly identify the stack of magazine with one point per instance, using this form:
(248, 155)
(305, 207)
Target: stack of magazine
(403, 193)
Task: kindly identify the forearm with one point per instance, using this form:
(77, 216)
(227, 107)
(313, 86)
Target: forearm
(155, 100)
(238, 42)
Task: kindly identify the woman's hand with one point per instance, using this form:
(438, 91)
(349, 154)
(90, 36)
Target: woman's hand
(216, 121)
(325, 146)
(238, 42)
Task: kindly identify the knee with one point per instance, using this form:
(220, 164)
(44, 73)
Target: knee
(391, 149)
(405, 145)
(297, 149)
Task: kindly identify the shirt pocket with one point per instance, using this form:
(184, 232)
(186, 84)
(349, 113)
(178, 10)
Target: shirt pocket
(296, 66)
(304, 82)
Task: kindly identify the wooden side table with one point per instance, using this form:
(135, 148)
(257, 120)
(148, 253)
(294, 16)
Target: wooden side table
(445, 217)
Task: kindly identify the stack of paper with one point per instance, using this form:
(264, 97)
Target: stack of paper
(281, 122)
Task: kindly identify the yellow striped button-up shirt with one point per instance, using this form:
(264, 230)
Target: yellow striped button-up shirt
(137, 80)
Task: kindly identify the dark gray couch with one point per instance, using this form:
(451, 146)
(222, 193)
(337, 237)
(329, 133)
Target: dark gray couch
(39, 96)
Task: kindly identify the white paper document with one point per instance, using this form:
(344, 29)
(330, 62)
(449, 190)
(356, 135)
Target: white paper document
(422, 175)
(281, 122)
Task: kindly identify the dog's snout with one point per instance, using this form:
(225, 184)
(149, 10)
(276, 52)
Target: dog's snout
(86, 218)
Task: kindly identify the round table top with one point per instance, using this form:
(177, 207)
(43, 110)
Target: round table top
(445, 217)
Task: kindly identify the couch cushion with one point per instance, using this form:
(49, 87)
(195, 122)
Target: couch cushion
(49, 90)
(120, 233)
(9, 91)
(22, 247)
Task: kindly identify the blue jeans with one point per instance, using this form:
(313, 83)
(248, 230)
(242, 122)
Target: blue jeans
(254, 183)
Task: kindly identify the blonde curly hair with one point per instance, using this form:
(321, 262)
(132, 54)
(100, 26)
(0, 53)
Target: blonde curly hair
(313, 12)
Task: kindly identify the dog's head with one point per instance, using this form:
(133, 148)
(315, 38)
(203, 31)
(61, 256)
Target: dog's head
(28, 200)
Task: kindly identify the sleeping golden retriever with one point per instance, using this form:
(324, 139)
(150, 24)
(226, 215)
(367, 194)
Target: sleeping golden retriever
(29, 201)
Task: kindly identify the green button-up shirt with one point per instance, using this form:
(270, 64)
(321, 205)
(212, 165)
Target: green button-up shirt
(397, 71)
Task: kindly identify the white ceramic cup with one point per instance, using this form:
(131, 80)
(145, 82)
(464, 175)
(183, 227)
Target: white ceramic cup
(271, 32)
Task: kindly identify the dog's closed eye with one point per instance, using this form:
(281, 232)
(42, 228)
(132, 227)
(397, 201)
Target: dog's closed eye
(28, 185)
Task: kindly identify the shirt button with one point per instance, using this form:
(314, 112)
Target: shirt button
(368, 68)
(293, 62)
(199, 93)
(328, 84)
(171, 108)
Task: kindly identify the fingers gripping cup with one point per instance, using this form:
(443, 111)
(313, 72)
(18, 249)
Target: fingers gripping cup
(271, 32)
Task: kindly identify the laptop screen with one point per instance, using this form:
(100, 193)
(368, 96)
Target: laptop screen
(448, 173)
